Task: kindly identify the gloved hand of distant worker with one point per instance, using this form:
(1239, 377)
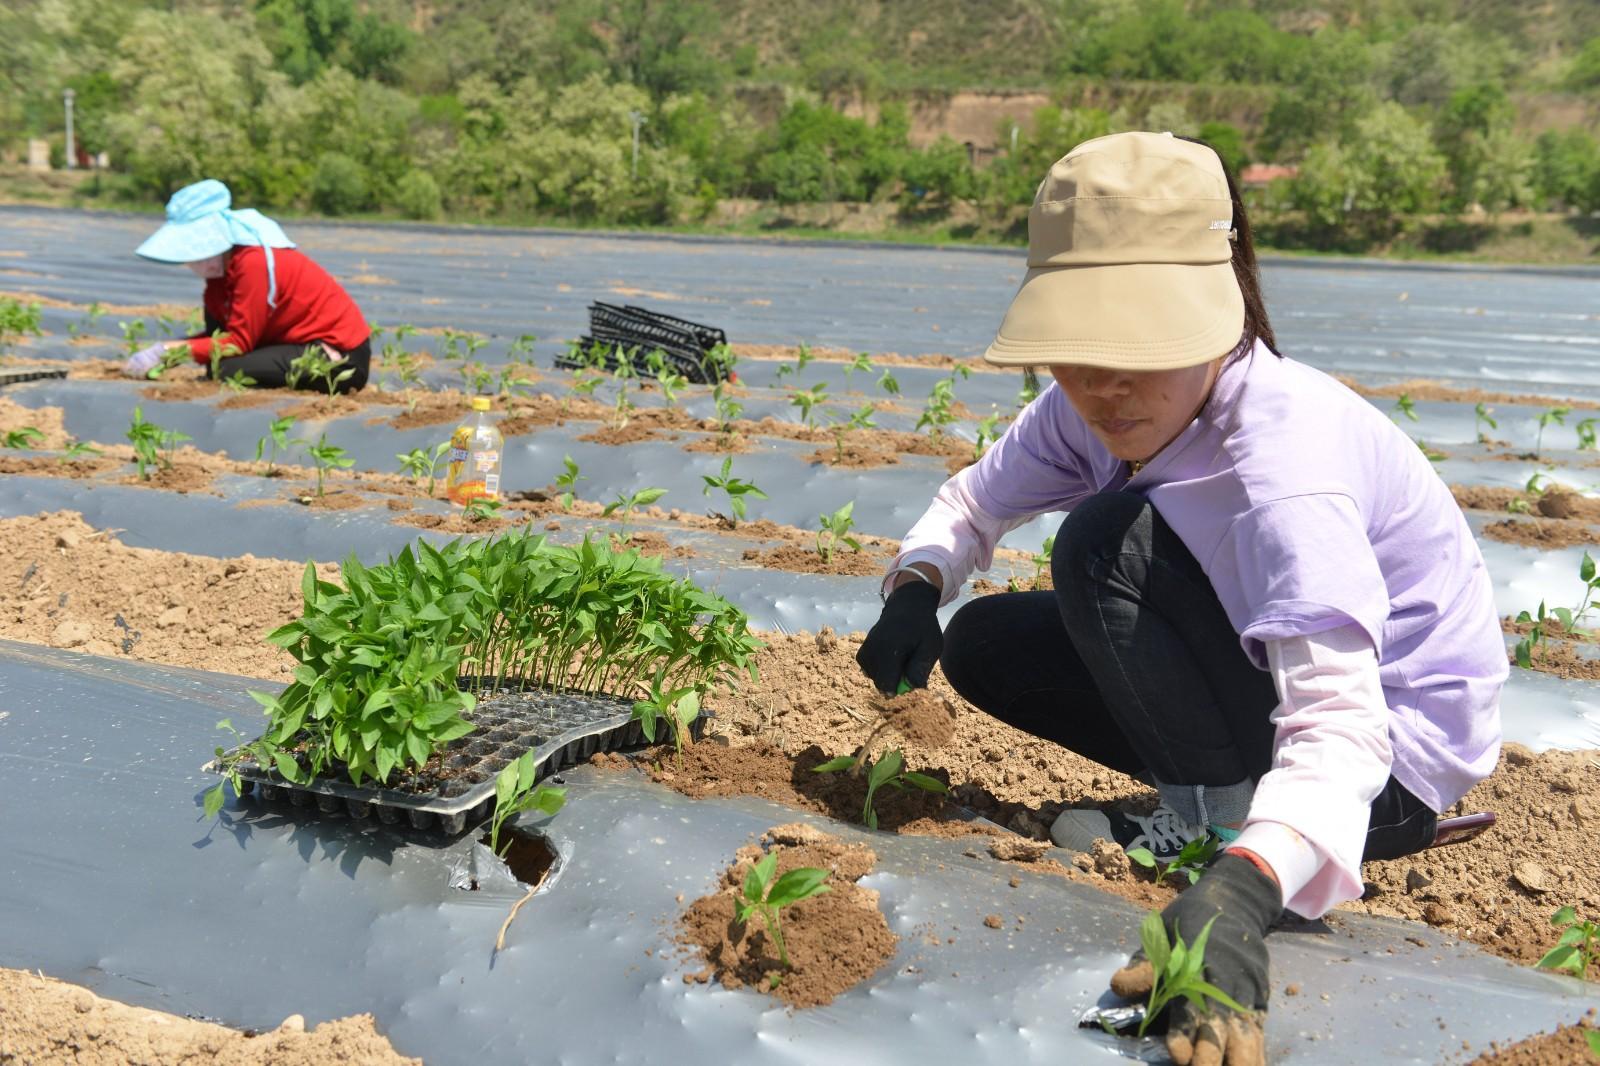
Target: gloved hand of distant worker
(141, 362)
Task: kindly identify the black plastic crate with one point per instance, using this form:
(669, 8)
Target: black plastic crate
(17, 377)
(638, 330)
(560, 728)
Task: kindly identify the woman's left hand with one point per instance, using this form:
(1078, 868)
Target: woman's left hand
(146, 359)
(1245, 903)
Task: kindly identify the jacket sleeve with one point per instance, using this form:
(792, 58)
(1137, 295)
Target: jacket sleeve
(244, 317)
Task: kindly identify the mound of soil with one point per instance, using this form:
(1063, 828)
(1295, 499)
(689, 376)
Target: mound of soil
(1556, 503)
(806, 561)
(632, 433)
(1544, 532)
(857, 456)
(834, 940)
(1566, 1046)
(1564, 661)
(1423, 389)
(720, 444)
(921, 716)
(43, 1020)
(182, 477)
(46, 420)
(454, 522)
(1500, 889)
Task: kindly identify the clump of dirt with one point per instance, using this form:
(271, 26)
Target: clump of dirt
(47, 420)
(454, 522)
(658, 546)
(317, 407)
(66, 585)
(1548, 807)
(855, 456)
(921, 716)
(43, 1020)
(1543, 533)
(720, 444)
(1568, 1045)
(806, 561)
(331, 501)
(834, 940)
(1423, 389)
(183, 477)
(632, 433)
(51, 466)
(984, 587)
(426, 415)
(1564, 661)
(1553, 503)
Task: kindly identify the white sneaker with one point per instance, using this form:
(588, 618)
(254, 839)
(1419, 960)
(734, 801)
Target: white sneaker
(1163, 831)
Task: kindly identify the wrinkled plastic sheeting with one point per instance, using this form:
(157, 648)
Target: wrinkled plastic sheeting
(275, 911)
(1538, 711)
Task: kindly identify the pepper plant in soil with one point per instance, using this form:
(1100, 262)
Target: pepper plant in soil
(1177, 970)
(391, 664)
(765, 897)
(888, 770)
(514, 792)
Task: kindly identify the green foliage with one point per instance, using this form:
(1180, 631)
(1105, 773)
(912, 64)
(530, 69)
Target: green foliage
(568, 480)
(277, 440)
(327, 457)
(1555, 416)
(1178, 970)
(1388, 168)
(390, 663)
(1566, 169)
(836, 531)
(78, 449)
(988, 433)
(17, 320)
(1406, 406)
(1191, 860)
(417, 196)
(808, 399)
(514, 792)
(482, 509)
(1586, 435)
(1578, 947)
(628, 502)
(728, 409)
(339, 185)
(735, 488)
(22, 437)
(765, 895)
(152, 445)
(1483, 415)
(419, 461)
(937, 413)
(889, 771)
(679, 706)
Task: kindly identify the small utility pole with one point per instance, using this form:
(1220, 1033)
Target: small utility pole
(1013, 138)
(72, 153)
(638, 120)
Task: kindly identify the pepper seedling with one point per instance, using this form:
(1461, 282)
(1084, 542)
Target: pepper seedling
(77, 450)
(327, 456)
(1178, 970)
(23, 437)
(735, 488)
(1554, 416)
(569, 481)
(1578, 948)
(1586, 435)
(889, 383)
(482, 509)
(863, 361)
(1405, 406)
(937, 412)
(766, 897)
(728, 409)
(807, 399)
(276, 440)
(680, 706)
(1190, 862)
(627, 503)
(514, 792)
(888, 770)
(835, 531)
(1483, 415)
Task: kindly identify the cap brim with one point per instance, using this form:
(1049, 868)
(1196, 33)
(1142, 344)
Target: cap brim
(1126, 316)
(187, 242)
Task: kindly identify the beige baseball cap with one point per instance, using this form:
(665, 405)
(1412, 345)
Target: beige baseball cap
(1129, 260)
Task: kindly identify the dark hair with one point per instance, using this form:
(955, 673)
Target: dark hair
(1256, 324)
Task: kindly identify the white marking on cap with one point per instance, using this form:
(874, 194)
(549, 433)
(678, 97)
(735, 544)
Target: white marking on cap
(1221, 223)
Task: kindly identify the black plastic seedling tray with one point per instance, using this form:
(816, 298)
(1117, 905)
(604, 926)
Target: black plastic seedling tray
(17, 377)
(560, 728)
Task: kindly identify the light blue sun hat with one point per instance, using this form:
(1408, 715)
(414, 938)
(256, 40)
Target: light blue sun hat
(201, 223)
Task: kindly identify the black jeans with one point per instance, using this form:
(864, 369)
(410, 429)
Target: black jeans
(1132, 662)
(269, 367)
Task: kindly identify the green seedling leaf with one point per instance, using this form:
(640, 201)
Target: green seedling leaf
(797, 885)
(833, 766)
(1143, 856)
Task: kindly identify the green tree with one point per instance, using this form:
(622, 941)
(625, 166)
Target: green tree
(339, 185)
(1388, 169)
(1329, 89)
(1228, 140)
(1566, 169)
(1584, 71)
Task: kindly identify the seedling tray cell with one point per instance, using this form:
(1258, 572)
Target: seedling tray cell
(560, 728)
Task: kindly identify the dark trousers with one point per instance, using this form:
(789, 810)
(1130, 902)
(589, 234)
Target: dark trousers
(1132, 662)
(268, 367)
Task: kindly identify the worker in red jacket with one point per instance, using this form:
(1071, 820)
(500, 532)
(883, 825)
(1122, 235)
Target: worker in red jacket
(280, 318)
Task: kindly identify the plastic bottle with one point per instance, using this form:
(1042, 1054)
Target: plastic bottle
(475, 450)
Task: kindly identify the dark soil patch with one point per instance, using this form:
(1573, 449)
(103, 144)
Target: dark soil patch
(834, 940)
(806, 561)
(529, 855)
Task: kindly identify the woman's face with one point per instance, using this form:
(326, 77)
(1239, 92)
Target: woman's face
(1135, 415)
(213, 267)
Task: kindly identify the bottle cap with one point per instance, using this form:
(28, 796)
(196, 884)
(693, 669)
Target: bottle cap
(480, 403)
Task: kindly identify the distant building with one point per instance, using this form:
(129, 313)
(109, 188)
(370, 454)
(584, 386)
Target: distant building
(1260, 175)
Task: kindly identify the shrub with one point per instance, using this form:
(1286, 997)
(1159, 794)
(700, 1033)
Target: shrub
(339, 185)
(417, 196)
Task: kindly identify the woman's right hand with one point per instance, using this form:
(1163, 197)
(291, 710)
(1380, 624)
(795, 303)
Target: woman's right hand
(906, 641)
(146, 359)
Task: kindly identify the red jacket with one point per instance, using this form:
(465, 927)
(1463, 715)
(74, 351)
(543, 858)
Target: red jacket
(311, 305)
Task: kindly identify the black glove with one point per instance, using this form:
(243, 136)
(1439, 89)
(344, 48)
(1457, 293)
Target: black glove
(1245, 903)
(906, 641)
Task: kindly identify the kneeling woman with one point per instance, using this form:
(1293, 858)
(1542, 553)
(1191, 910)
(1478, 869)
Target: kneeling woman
(1266, 603)
(269, 302)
